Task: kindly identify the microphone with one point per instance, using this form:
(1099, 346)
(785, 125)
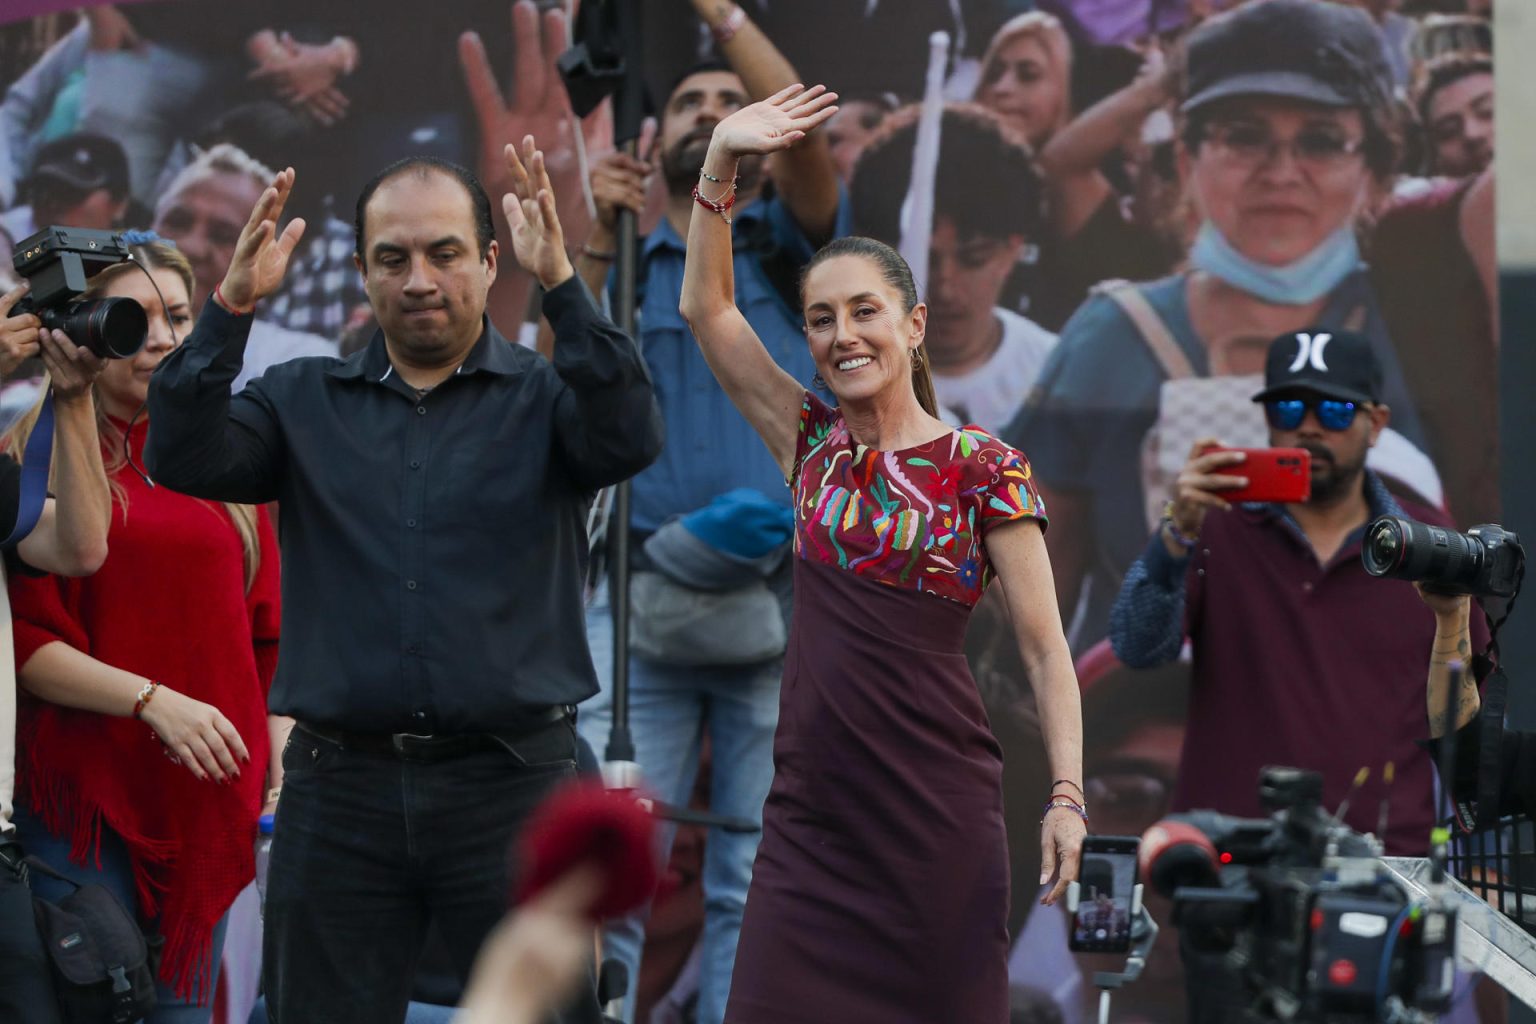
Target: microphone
(1178, 853)
(582, 823)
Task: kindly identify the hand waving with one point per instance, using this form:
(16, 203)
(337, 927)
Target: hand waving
(778, 122)
(537, 241)
(261, 255)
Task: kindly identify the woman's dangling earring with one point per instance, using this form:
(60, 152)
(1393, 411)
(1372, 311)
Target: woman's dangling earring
(917, 360)
(819, 381)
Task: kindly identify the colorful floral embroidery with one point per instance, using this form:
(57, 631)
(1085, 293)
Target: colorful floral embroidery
(913, 518)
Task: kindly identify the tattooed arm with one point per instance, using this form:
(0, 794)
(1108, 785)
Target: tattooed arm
(1453, 643)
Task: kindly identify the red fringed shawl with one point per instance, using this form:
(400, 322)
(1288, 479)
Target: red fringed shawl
(169, 604)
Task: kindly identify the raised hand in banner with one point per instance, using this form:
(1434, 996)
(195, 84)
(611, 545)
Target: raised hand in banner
(304, 75)
(261, 254)
(529, 205)
(536, 105)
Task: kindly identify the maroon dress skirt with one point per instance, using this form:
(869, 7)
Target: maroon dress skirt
(880, 890)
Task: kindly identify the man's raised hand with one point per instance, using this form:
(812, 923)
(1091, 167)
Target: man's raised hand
(537, 240)
(261, 254)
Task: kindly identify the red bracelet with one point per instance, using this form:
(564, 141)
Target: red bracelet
(146, 694)
(718, 207)
(218, 296)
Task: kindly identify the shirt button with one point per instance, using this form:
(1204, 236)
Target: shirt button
(410, 584)
(410, 522)
(415, 464)
(410, 649)
(421, 410)
(1307, 586)
(420, 716)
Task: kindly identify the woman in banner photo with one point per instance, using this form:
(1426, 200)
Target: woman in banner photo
(143, 750)
(880, 891)
(1286, 143)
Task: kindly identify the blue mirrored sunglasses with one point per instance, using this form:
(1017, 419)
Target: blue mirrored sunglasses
(1287, 413)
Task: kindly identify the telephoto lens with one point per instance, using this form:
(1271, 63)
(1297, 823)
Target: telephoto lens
(1486, 561)
(112, 328)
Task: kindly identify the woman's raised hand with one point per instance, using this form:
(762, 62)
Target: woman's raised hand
(777, 122)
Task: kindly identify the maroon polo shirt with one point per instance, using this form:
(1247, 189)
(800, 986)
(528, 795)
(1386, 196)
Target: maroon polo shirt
(1312, 666)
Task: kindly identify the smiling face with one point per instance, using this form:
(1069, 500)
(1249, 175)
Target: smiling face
(1022, 84)
(425, 276)
(124, 384)
(1261, 176)
(861, 337)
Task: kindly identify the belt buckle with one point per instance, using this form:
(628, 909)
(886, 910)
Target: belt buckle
(403, 741)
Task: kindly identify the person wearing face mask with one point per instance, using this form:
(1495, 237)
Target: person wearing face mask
(1300, 657)
(1285, 141)
(143, 754)
(880, 889)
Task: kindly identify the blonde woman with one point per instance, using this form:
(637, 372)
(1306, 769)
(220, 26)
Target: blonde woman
(143, 747)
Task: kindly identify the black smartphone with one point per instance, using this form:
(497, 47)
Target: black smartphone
(1104, 900)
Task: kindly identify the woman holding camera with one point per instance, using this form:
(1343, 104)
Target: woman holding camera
(143, 750)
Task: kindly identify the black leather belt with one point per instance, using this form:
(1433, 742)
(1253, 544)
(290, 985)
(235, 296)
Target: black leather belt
(418, 747)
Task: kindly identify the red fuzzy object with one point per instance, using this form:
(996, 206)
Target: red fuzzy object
(585, 823)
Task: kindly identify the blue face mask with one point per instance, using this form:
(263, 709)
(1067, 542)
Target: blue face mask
(1295, 284)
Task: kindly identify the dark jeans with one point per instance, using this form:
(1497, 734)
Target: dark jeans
(26, 988)
(367, 847)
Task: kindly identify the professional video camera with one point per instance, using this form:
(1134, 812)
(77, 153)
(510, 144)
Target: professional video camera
(57, 262)
(1486, 561)
(1306, 913)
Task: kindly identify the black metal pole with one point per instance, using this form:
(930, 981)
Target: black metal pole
(621, 769)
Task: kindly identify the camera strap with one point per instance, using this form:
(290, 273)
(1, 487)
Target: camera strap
(35, 463)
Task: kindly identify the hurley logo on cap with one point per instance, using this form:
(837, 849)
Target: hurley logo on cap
(1310, 350)
(1333, 362)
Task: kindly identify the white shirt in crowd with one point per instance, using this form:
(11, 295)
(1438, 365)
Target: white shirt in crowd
(991, 395)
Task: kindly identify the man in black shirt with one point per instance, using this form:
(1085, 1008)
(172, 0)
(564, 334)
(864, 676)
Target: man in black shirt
(434, 489)
(70, 539)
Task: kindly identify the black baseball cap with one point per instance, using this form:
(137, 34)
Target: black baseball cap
(1320, 361)
(1310, 50)
(82, 160)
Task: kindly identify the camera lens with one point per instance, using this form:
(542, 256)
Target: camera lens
(1383, 548)
(1442, 559)
(112, 328)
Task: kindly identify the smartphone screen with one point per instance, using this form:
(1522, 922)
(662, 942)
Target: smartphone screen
(1101, 918)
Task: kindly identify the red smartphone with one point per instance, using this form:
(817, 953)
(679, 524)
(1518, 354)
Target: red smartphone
(1274, 474)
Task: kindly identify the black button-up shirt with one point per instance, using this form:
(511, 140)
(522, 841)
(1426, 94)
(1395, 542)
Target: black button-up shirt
(434, 546)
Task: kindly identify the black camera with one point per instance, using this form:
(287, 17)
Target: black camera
(57, 262)
(1303, 910)
(1486, 561)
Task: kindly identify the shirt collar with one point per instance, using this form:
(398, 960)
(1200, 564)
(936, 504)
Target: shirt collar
(491, 353)
(1378, 500)
(664, 235)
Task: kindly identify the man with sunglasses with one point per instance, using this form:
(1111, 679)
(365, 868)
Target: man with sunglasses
(1299, 657)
